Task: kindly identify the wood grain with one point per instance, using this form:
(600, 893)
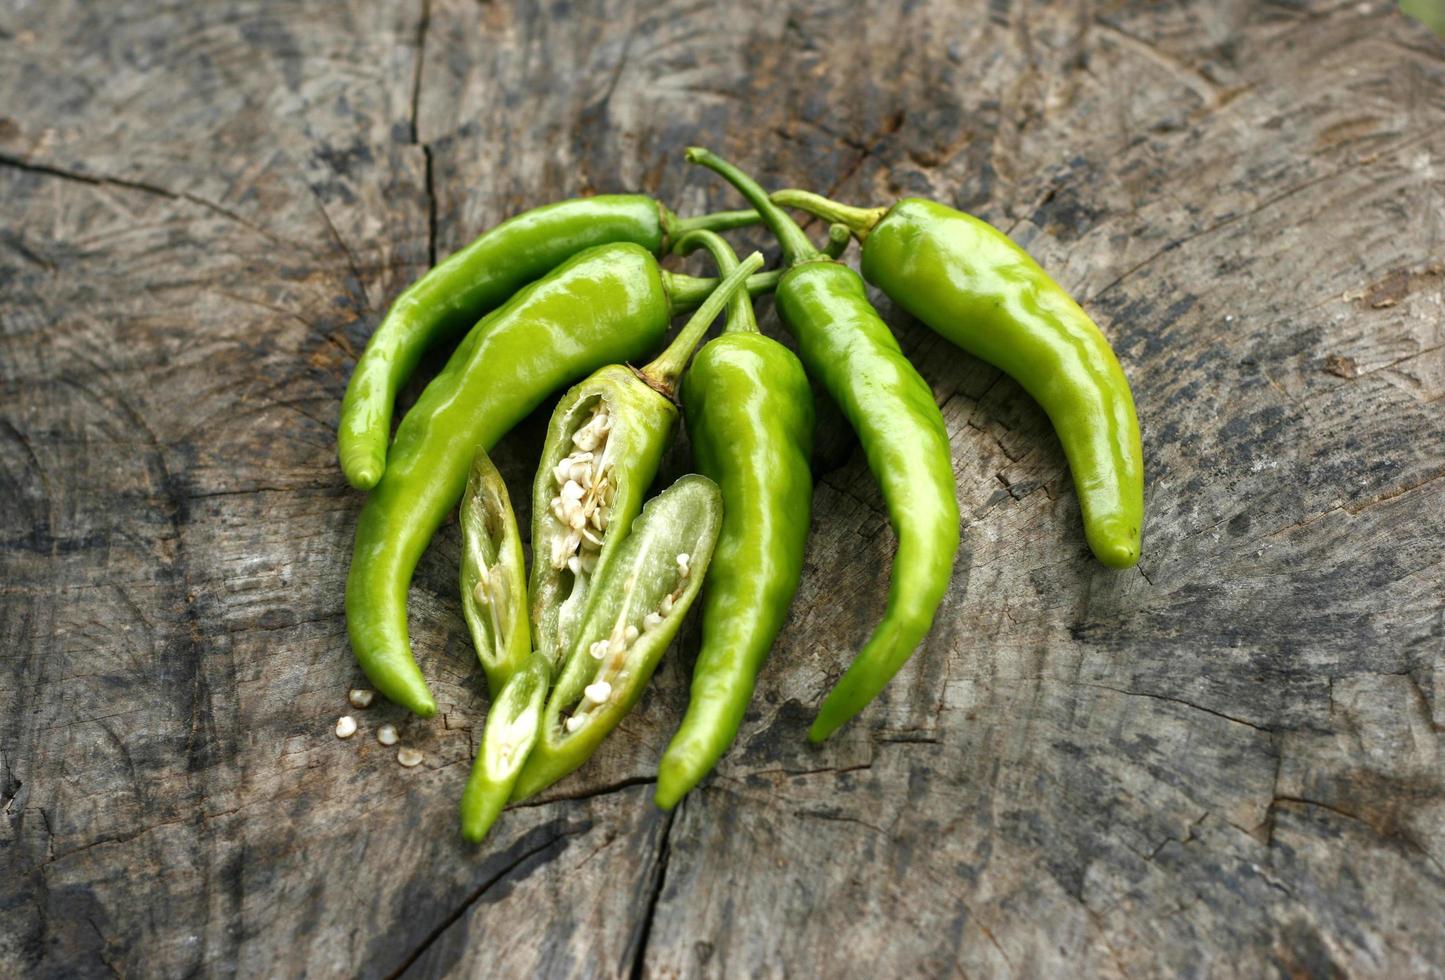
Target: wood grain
(1226, 762)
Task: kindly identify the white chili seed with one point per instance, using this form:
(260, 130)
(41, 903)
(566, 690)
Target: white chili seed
(345, 726)
(408, 756)
(598, 692)
(651, 621)
(360, 697)
(479, 593)
(386, 734)
(666, 605)
(630, 633)
(575, 722)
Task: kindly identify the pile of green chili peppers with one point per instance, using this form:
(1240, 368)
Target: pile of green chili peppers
(571, 296)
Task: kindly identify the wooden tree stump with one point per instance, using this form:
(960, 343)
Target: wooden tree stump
(1227, 761)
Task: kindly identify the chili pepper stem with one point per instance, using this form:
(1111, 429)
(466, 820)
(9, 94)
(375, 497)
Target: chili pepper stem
(664, 370)
(796, 246)
(740, 308)
(859, 221)
(674, 229)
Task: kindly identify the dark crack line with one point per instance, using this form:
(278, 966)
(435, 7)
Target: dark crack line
(588, 794)
(48, 170)
(1398, 836)
(423, 26)
(474, 897)
(664, 853)
(1187, 704)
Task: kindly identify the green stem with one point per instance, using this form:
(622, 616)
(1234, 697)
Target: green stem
(663, 372)
(686, 293)
(740, 307)
(675, 229)
(796, 247)
(859, 221)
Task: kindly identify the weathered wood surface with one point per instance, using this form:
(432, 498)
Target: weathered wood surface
(1225, 762)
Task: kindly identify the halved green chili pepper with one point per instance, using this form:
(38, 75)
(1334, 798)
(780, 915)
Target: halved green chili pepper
(967, 281)
(843, 342)
(513, 724)
(606, 305)
(451, 297)
(638, 605)
(494, 575)
(603, 448)
(749, 415)
(494, 601)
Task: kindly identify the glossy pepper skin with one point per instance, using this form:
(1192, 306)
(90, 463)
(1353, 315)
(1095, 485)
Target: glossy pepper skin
(845, 344)
(458, 291)
(749, 415)
(971, 284)
(605, 305)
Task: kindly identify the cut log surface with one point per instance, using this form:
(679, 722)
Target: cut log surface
(1224, 762)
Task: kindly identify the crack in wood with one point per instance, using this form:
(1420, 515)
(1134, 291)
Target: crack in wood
(659, 881)
(50, 170)
(476, 894)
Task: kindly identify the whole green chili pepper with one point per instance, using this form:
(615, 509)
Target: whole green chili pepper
(843, 342)
(607, 304)
(604, 444)
(749, 415)
(454, 294)
(967, 281)
(494, 575)
(638, 605)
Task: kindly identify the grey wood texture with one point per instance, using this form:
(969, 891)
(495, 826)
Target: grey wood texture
(1226, 762)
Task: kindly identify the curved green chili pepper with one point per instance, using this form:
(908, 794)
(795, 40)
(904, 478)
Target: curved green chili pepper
(639, 603)
(607, 304)
(749, 414)
(454, 294)
(843, 342)
(967, 281)
(494, 576)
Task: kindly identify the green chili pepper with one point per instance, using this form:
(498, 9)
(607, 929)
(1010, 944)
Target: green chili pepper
(603, 448)
(843, 342)
(494, 601)
(607, 304)
(513, 724)
(494, 576)
(967, 281)
(451, 297)
(749, 414)
(638, 605)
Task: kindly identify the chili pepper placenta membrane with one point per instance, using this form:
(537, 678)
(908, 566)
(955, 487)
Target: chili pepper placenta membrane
(968, 282)
(749, 415)
(605, 305)
(639, 603)
(451, 297)
(844, 344)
